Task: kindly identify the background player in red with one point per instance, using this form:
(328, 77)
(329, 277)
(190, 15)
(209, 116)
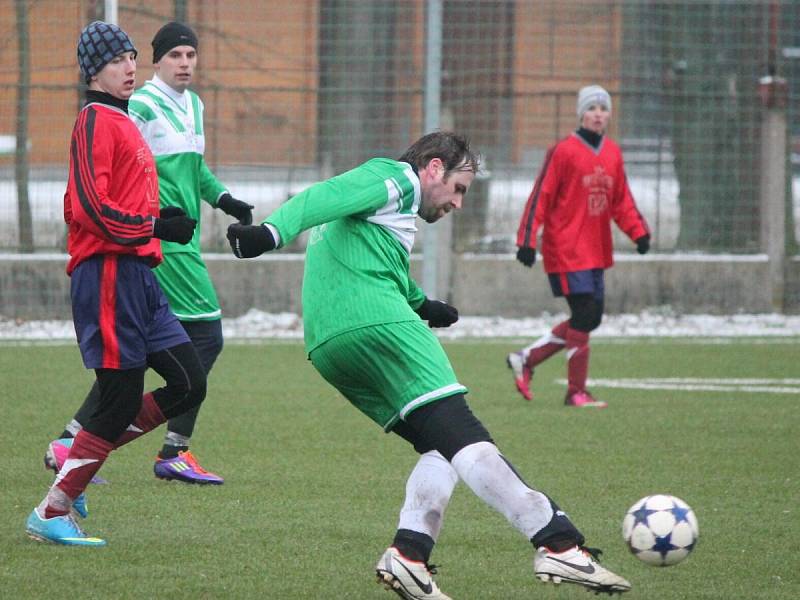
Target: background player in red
(122, 320)
(582, 186)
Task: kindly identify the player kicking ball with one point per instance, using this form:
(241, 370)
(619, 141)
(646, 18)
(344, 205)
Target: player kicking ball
(367, 333)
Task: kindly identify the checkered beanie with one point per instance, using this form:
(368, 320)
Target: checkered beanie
(98, 43)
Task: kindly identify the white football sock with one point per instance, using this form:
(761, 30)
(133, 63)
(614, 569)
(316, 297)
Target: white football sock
(487, 473)
(428, 492)
(74, 427)
(176, 439)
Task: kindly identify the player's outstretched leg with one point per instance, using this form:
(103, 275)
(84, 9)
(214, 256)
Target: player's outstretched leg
(560, 554)
(577, 565)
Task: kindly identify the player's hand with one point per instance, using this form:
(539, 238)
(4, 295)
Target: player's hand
(248, 241)
(527, 256)
(171, 211)
(176, 228)
(437, 313)
(643, 244)
(236, 208)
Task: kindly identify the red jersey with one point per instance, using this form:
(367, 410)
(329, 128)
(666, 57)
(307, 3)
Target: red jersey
(112, 190)
(578, 191)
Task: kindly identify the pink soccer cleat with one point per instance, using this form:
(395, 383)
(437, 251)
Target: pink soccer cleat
(522, 373)
(583, 399)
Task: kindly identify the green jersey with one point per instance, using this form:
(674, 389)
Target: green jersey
(357, 260)
(172, 125)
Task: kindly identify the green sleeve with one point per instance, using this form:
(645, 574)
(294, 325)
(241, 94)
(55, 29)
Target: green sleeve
(210, 187)
(415, 294)
(140, 112)
(353, 193)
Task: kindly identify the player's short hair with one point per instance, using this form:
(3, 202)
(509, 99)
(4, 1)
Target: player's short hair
(451, 148)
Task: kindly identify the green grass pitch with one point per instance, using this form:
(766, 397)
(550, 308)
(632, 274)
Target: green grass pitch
(313, 488)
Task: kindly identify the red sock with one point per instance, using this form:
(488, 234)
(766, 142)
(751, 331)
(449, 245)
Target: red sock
(577, 360)
(149, 417)
(87, 455)
(547, 345)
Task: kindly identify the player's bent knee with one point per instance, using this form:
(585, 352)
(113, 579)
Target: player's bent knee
(447, 425)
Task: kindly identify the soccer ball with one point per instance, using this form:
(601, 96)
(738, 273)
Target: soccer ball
(660, 530)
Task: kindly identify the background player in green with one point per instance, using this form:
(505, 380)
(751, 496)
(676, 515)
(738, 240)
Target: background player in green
(170, 118)
(364, 332)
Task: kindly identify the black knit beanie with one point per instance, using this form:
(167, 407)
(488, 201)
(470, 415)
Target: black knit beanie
(171, 35)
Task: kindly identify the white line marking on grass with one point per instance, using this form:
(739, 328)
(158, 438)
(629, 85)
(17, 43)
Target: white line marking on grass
(698, 384)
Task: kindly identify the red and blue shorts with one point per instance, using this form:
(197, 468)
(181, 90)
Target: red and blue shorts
(589, 281)
(120, 313)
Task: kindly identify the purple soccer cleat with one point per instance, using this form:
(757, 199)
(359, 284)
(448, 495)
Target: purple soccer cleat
(56, 455)
(185, 467)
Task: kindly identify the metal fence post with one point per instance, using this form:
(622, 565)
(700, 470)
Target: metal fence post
(773, 183)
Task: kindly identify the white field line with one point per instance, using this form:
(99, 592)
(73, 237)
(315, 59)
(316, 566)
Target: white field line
(693, 384)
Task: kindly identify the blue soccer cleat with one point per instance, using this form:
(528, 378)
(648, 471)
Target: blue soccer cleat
(59, 530)
(80, 507)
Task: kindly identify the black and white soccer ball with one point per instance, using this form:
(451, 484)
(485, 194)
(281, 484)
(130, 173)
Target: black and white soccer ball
(660, 530)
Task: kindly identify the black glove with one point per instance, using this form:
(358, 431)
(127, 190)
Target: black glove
(643, 244)
(527, 256)
(236, 208)
(174, 228)
(248, 241)
(437, 313)
(171, 211)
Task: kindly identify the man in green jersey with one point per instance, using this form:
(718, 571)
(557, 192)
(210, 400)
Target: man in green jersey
(170, 118)
(364, 333)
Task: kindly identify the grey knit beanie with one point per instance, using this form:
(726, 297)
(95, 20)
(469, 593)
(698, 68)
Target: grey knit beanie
(592, 94)
(98, 44)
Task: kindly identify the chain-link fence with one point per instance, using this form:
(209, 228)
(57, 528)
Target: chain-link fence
(296, 91)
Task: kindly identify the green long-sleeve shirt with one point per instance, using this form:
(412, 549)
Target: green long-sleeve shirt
(357, 261)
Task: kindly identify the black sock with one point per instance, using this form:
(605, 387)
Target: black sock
(414, 545)
(171, 451)
(65, 434)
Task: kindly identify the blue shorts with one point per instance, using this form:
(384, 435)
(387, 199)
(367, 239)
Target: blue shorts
(578, 282)
(120, 313)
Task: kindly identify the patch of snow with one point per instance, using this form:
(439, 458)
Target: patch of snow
(258, 325)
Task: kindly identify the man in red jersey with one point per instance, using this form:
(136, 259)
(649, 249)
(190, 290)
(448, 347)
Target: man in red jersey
(122, 321)
(582, 186)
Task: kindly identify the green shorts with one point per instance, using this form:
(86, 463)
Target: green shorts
(387, 371)
(184, 278)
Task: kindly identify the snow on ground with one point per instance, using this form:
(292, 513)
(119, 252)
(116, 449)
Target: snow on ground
(257, 325)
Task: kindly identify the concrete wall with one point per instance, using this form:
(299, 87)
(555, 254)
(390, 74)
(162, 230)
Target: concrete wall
(36, 286)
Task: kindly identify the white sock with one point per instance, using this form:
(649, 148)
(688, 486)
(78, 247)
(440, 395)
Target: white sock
(73, 427)
(55, 498)
(176, 439)
(428, 492)
(487, 473)
(547, 338)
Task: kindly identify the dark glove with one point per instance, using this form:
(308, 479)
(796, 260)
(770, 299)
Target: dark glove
(236, 208)
(437, 313)
(248, 241)
(171, 211)
(527, 256)
(175, 228)
(643, 244)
